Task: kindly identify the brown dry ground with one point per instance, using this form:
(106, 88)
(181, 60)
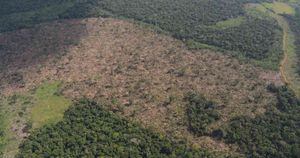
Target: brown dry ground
(140, 74)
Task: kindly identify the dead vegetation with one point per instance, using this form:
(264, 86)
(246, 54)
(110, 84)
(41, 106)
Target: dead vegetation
(142, 75)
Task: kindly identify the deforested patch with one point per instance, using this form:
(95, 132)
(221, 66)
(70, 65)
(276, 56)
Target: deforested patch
(144, 76)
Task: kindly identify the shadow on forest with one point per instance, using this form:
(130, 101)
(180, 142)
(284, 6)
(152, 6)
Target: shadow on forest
(32, 47)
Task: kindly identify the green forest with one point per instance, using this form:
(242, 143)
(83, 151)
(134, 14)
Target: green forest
(88, 130)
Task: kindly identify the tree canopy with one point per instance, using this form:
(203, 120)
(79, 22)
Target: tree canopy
(90, 131)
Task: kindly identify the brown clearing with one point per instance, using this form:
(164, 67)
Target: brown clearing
(143, 75)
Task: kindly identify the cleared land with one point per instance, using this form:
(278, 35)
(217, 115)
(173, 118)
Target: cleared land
(140, 74)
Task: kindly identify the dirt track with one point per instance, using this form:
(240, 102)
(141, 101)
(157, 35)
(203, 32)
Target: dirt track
(284, 60)
(287, 73)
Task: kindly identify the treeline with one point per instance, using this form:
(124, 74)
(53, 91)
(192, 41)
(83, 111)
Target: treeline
(88, 130)
(184, 19)
(190, 19)
(274, 134)
(294, 22)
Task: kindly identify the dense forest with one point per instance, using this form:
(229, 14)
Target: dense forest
(294, 22)
(184, 19)
(88, 130)
(253, 39)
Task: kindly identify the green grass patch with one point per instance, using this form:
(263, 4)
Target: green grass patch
(293, 50)
(233, 22)
(291, 66)
(12, 116)
(280, 8)
(49, 105)
(192, 44)
(290, 1)
(257, 10)
(3, 125)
